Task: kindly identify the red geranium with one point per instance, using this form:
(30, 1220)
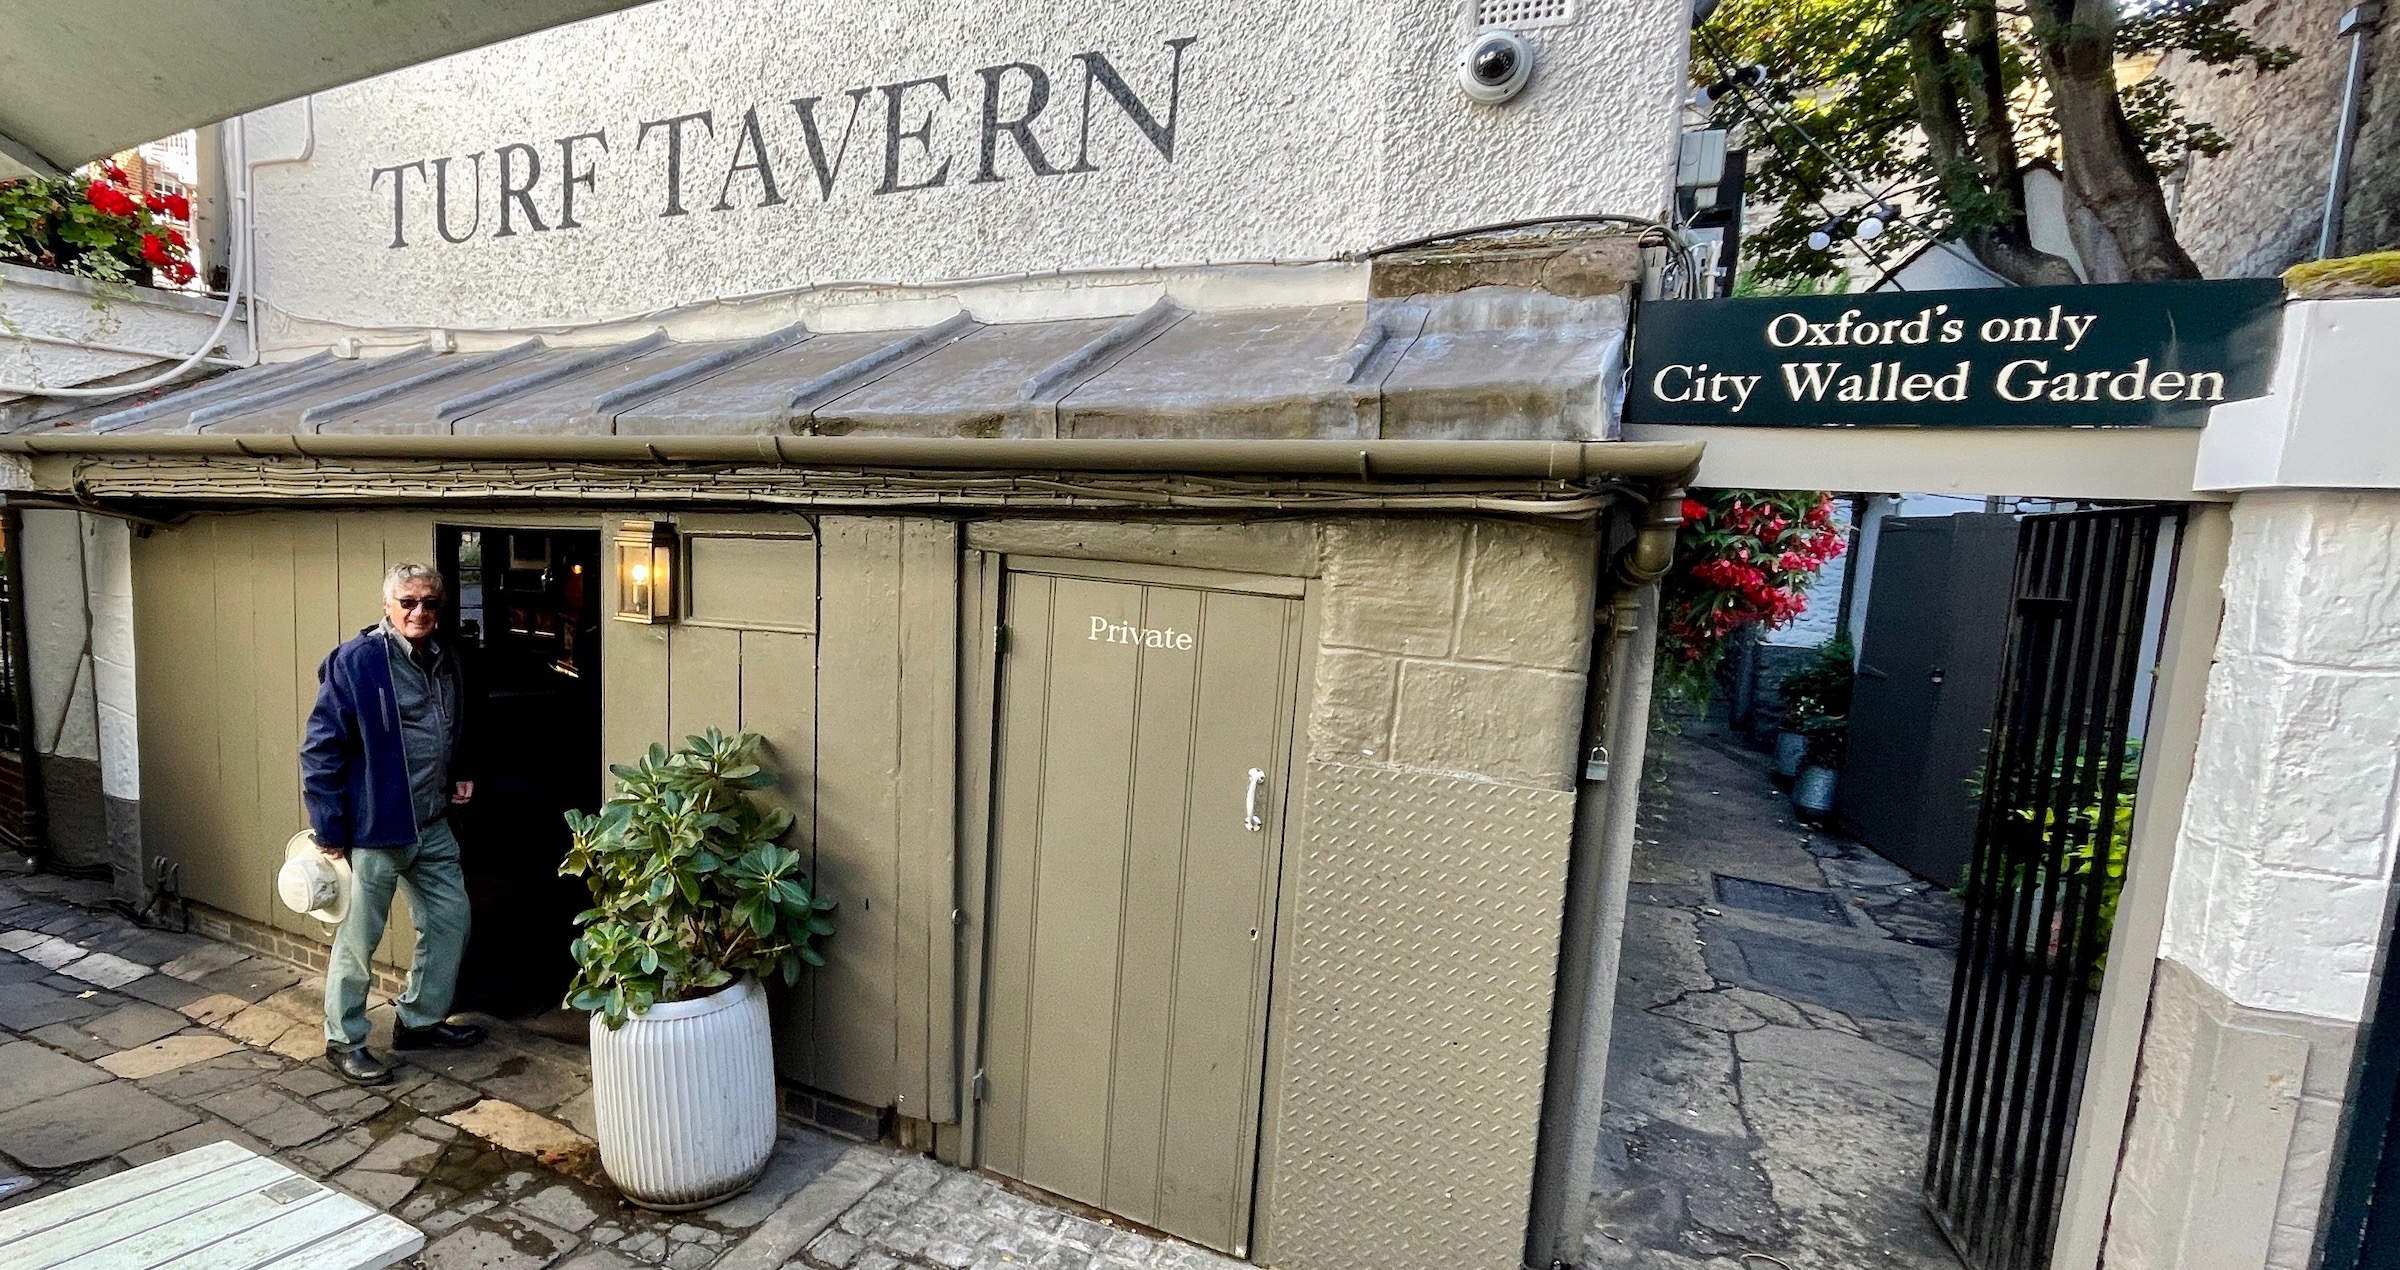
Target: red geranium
(95, 228)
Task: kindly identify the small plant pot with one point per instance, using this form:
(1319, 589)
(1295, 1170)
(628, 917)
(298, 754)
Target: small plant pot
(1790, 749)
(1812, 792)
(685, 1098)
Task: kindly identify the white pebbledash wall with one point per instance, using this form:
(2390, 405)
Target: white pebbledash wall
(1298, 131)
(2285, 857)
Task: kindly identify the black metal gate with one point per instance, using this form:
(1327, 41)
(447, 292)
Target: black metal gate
(2056, 806)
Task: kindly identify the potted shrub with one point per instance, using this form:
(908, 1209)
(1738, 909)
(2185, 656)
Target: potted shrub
(1820, 766)
(1815, 689)
(694, 902)
(1817, 702)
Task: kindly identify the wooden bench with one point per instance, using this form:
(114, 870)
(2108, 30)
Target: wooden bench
(217, 1207)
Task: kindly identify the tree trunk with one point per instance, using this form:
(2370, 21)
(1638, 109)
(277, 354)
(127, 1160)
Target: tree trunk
(2106, 170)
(2004, 247)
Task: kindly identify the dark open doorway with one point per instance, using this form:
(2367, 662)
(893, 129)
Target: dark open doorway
(526, 604)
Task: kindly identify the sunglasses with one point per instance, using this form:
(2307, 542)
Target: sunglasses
(410, 604)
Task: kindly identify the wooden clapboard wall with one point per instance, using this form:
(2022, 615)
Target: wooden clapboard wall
(232, 615)
(883, 1009)
(853, 620)
(841, 650)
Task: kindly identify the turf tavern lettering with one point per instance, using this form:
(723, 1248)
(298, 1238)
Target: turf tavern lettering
(986, 126)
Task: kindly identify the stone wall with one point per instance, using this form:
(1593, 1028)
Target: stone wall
(58, 655)
(1415, 982)
(2253, 210)
(2276, 903)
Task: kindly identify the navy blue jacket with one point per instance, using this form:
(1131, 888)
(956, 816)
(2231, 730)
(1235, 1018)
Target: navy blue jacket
(353, 766)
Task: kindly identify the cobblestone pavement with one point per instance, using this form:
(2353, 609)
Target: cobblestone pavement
(121, 1045)
(1778, 1027)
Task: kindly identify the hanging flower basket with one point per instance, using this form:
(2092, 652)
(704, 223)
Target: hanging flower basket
(1744, 558)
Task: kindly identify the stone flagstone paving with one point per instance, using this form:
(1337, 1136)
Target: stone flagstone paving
(121, 1045)
(1779, 1020)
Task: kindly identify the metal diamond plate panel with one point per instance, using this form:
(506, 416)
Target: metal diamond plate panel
(1424, 946)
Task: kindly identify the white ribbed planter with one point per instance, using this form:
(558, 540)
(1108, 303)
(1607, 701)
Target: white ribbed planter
(685, 1098)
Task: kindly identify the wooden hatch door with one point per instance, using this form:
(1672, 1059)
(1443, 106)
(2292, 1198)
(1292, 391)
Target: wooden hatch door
(1142, 749)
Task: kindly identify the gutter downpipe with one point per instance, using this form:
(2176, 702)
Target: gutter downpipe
(1616, 732)
(1363, 460)
(2358, 26)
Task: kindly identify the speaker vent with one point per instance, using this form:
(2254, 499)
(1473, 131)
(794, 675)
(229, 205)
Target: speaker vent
(1520, 15)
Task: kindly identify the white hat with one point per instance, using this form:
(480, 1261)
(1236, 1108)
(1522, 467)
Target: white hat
(312, 882)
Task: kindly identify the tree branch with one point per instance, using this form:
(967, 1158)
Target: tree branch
(2106, 170)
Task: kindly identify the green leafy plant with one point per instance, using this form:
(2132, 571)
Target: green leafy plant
(690, 887)
(1942, 107)
(2094, 852)
(1816, 699)
(96, 227)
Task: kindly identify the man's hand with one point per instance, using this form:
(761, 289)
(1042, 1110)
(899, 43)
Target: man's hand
(334, 853)
(461, 793)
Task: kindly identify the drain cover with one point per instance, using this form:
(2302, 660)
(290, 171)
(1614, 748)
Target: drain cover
(1778, 900)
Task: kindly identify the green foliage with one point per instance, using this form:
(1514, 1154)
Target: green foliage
(93, 227)
(1816, 699)
(2093, 853)
(690, 888)
(1847, 77)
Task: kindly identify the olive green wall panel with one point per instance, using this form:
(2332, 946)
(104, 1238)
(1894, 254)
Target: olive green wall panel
(232, 614)
(1418, 981)
(879, 1020)
(1133, 906)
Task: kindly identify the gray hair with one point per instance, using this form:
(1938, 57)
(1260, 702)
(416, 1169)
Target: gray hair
(410, 571)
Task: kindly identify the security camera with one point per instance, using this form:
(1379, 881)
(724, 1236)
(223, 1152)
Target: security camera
(1495, 66)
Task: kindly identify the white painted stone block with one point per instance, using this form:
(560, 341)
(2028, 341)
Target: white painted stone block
(2288, 835)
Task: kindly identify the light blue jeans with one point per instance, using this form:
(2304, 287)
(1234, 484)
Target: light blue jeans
(437, 895)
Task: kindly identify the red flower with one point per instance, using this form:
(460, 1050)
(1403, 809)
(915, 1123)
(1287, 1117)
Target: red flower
(1694, 510)
(179, 272)
(154, 250)
(175, 239)
(114, 173)
(178, 206)
(109, 199)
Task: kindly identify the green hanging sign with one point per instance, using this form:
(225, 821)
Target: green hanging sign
(2124, 355)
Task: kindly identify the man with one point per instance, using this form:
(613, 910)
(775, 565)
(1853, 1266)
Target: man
(381, 770)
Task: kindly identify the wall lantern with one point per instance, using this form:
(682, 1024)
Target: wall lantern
(645, 571)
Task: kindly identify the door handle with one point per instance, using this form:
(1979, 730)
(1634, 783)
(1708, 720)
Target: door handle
(1250, 816)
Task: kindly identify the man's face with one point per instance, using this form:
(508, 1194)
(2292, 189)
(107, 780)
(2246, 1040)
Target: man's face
(415, 610)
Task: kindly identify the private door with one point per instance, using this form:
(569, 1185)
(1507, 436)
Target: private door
(1143, 741)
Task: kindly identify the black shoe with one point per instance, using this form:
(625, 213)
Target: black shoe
(443, 1035)
(359, 1066)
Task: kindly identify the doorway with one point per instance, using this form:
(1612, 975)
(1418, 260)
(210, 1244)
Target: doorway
(525, 606)
(1860, 1039)
(1143, 741)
